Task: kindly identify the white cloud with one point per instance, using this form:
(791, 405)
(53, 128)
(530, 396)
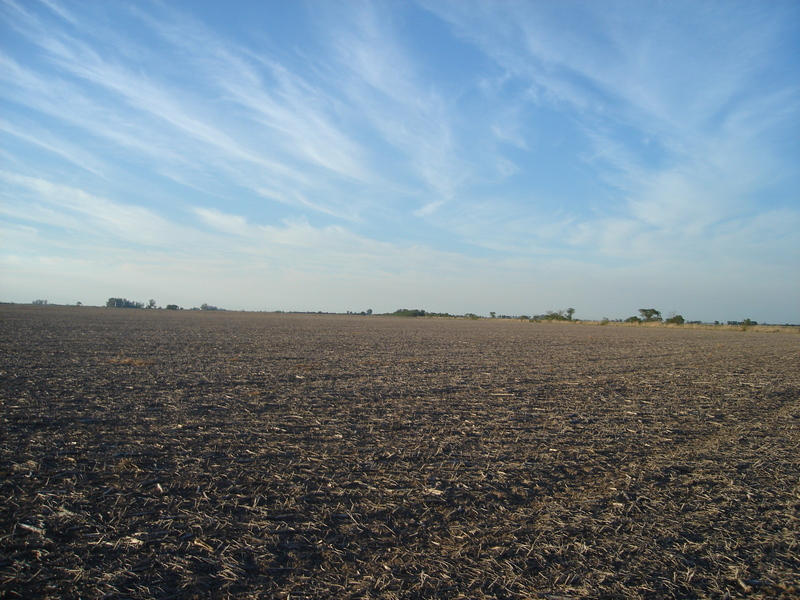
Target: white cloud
(383, 84)
(40, 201)
(701, 108)
(258, 139)
(297, 114)
(31, 133)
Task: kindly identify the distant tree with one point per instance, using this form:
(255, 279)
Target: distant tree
(369, 311)
(40, 302)
(748, 323)
(405, 312)
(123, 303)
(675, 319)
(173, 307)
(151, 303)
(493, 314)
(208, 307)
(552, 316)
(556, 315)
(633, 320)
(650, 314)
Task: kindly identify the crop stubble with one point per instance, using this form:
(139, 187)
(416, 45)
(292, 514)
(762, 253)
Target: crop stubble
(165, 454)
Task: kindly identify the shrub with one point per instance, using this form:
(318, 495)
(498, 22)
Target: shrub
(552, 315)
(123, 303)
(650, 314)
(747, 323)
(405, 312)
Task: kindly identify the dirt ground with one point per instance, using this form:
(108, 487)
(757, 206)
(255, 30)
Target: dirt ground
(194, 454)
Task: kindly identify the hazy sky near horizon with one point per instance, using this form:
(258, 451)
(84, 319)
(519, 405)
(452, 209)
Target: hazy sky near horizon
(460, 156)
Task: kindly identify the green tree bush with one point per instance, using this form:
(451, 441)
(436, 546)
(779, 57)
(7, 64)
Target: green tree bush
(123, 303)
(405, 312)
(650, 315)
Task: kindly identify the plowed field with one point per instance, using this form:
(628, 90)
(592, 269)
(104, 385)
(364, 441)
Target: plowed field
(193, 454)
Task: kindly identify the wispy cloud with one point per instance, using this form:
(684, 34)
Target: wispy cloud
(56, 212)
(296, 113)
(291, 117)
(42, 202)
(384, 85)
(689, 86)
(31, 133)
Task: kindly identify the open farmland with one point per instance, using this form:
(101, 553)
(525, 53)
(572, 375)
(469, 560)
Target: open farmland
(167, 454)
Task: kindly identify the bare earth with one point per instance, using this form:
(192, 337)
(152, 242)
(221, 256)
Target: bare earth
(165, 454)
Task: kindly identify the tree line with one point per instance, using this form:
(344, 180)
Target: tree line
(125, 303)
(646, 315)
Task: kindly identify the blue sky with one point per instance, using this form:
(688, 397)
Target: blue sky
(461, 156)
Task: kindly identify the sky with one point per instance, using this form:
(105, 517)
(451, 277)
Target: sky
(466, 156)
